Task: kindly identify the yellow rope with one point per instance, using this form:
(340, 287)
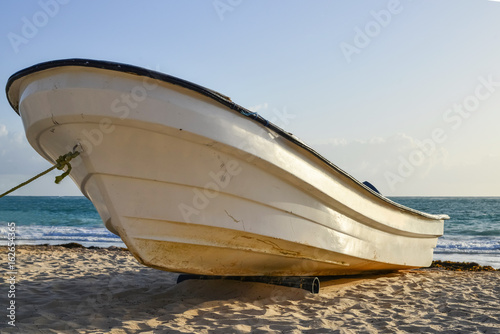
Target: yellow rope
(61, 162)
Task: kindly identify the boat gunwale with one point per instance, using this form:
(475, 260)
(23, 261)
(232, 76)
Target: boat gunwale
(220, 98)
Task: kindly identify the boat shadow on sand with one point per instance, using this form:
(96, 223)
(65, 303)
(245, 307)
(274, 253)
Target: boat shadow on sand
(144, 299)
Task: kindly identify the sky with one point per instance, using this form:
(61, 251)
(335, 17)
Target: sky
(404, 94)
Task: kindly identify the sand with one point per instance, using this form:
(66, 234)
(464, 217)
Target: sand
(80, 290)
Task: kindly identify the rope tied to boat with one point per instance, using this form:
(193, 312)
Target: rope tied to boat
(61, 162)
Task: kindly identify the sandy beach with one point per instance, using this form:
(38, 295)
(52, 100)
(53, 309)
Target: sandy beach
(79, 290)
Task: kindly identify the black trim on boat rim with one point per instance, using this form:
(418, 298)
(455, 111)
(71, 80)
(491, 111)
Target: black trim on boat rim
(226, 101)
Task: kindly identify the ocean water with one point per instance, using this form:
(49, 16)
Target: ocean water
(472, 234)
(54, 220)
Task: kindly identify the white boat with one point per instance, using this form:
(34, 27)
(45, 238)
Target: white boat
(195, 183)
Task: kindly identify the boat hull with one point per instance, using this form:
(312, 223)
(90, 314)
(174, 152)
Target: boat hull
(192, 186)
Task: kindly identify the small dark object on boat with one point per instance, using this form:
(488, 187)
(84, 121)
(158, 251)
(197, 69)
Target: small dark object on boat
(371, 186)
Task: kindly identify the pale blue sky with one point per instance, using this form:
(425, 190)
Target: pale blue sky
(365, 111)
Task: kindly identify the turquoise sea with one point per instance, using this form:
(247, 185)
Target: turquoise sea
(472, 234)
